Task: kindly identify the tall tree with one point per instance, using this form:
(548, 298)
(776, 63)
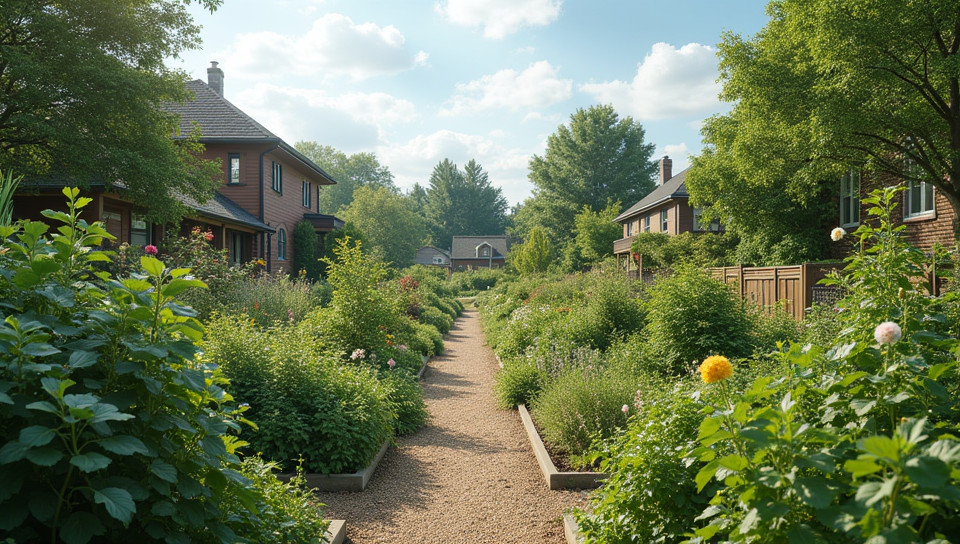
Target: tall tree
(349, 171)
(534, 255)
(82, 84)
(859, 83)
(596, 231)
(390, 227)
(598, 158)
(463, 202)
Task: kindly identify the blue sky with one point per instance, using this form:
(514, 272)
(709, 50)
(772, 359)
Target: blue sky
(419, 81)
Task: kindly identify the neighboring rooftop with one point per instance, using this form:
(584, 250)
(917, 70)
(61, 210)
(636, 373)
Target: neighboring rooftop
(671, 189)
(465, 247)
(221, 207)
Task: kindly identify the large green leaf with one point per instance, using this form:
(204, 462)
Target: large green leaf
(80, 527)
(815, 491)
(90, 461)
(123, 445)
(37, 435)
(118, 502)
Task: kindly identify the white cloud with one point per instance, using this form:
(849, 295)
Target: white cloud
(680, 155)
(538, 85)
(334, 46)
(413, 161)
(669, 82)
(350, 121)
(500, 18)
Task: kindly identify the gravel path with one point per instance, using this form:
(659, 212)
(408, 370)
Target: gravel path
(468, 476)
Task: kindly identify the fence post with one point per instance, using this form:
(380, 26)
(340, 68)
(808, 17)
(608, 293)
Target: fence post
(740, 278)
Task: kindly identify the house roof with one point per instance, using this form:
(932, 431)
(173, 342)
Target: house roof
(221, 207)
(220, 121)
(465, 247)
(437, 249)
(671, 189)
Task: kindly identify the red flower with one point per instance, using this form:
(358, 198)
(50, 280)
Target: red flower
(150, 249)
(208, 236)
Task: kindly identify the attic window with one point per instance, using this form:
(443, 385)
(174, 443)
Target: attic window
(485, 252)
(276, 181)
(233, 175)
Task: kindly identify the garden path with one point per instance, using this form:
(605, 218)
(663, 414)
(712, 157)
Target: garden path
(468, 476)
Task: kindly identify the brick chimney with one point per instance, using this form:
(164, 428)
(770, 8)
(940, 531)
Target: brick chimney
(666, 169)
(215, 77)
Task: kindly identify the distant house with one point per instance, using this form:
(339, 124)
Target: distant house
(665, 209)
(268, 186)
(473, 252)
(432, 256)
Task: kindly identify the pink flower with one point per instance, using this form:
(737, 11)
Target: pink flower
(357, 354)
(391, 363)
(402, 347)
(150, 249)
(208, 236)
(290, 315)
(625, 409)
(887, 333)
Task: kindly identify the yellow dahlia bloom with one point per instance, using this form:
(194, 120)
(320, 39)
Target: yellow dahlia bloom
(715, 368)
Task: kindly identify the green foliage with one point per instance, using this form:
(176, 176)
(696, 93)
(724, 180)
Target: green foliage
(406, 401)
(390, 228)
(111, 429)
(877, 458)
(95, 67)
(8, 186)
(692, 316)
(433, 316)
(463, 202)
(772, 325)
(306, 250)
(519, 382)
(305, 403)
(469, 282)
(287, 512)
(650, 495)
(596, 232)
(350, 172)
(659, 250)
(599, 158)
(534, 255)
(582, 405)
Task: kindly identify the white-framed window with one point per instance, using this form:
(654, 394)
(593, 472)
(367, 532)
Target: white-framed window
(646, 223)
(918, 198)
(276, 180)
(140, 231)
(850, 198)
(233, 169)
(281, 245)
(307, 190)
(485, 252)
(629, 228)
(664, 220)
(699, 225)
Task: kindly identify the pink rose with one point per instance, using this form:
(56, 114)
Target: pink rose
(150, 249)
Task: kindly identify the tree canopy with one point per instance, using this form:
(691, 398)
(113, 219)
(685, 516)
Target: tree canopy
(832, 84)
(391, 229)
(599, 158)
(463, 203)
(82, 84)
(349, 171)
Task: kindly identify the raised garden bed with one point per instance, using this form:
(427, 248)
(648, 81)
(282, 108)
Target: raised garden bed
(554, 478)
(337, 532)
(423, 369)
(356, 481)
(571, 531)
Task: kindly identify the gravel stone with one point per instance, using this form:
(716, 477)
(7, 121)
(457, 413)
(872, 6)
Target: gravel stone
(468, 476)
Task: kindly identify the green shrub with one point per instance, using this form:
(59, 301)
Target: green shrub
(519, 382)
(692, 316)
(111, 430)
(306, 251)
(650, 495)
(469, 282)
(773, 325)
(271, 299)
(581, 406)
(435, 317)
(406, 401)
(449, 307)
(426, 338)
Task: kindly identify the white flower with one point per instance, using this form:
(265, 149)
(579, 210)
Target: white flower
(837, 233)
(888, 333)
(626, 409)
(357, 354)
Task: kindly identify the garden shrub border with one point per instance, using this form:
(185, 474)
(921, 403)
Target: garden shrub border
(554, 478)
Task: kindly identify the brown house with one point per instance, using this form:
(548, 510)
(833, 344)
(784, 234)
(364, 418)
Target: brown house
(268, 186)
(473, 252)
(665, 209)
(926, 212)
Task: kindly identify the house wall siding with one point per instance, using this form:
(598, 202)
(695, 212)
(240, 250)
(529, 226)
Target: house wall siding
(922, 232)
(245, 194)
(284, 210)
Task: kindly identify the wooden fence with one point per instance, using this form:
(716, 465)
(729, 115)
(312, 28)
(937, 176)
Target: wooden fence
(766, 286)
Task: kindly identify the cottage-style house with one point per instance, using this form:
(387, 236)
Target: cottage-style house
(473, 252)
(268, 186)
(432, 256)
(666, 209)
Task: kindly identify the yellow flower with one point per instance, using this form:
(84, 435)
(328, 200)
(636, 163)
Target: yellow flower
(715, 368)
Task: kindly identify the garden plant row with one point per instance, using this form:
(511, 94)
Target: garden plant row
(135, 403)
(718, 423)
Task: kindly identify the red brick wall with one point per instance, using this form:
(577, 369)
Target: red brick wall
(922, 232)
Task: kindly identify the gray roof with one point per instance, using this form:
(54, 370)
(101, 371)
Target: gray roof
(221, 207)
(220, 121)
(465, 247)
(672, 188)
(437, 249)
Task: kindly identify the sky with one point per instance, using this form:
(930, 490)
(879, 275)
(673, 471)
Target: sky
(416, 82)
